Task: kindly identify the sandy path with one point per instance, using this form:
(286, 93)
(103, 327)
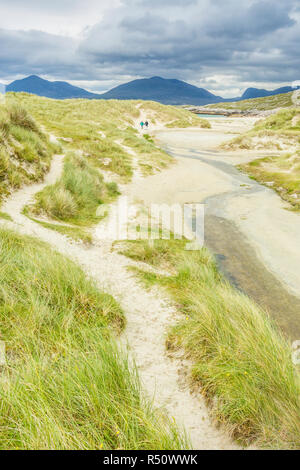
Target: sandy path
(148, 314)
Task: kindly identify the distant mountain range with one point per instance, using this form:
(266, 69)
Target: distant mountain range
(167, 91)
(261, 93)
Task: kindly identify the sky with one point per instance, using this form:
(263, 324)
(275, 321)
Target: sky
(224, 46)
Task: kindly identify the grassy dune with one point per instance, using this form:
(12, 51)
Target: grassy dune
(240, 359)
(25, 151)
(98, 136)
(66, 385)
(98, 127)
(280, 132)
(76, 196)
(283, 100)
(280, 173)
(172, 116)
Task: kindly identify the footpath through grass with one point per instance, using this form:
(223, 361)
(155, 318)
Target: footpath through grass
(98, 127)
(240, 359)
(66, 385)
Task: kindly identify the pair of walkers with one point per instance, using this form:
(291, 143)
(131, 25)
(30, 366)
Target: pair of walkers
(142, 124)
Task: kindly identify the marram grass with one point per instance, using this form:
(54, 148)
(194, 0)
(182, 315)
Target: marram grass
(241, 360)
(66, 384)
(76, 196)
(25, 151)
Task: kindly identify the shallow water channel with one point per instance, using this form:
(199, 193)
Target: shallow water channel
(237, 258)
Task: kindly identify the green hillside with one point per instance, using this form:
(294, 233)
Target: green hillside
(261, 104)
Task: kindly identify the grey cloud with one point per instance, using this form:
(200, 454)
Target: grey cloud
(257, 19)
(24, 52)
(54, 5)
(191, 39)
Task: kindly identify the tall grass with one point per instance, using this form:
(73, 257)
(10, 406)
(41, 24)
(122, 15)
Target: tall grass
(25, 152)
(76, 197)
(66, 385)
(241, 360)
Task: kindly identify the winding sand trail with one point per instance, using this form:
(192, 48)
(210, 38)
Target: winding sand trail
(148, 315)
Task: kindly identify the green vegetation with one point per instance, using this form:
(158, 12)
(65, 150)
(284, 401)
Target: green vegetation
(25, 151)
(172, 116)
(278, 132)
(282, 173)
(99, 128)
(241, 361)
(261, 104)
(286, 120)
(5, 216)
(66, 385)
(76, 196)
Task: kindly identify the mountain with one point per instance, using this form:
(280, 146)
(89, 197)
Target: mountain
(260, 92)
(167, 91)
(57, 90)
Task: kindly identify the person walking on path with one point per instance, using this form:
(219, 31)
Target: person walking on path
(146, 124)
(142, 125)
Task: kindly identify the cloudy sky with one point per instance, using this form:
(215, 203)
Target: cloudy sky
(222, 45)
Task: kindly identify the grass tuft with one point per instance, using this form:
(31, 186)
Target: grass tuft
(76, 197)
(25, 152)
(66, 384)
(241, 360)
